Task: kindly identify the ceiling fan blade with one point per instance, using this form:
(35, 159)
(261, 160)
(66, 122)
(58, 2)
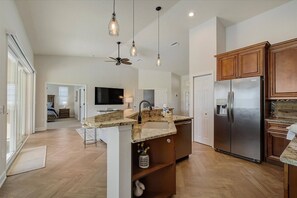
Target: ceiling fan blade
(125, 59)
(127, 63)
(113, 58)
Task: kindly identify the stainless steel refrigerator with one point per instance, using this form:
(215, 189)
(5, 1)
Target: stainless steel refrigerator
(238, 117)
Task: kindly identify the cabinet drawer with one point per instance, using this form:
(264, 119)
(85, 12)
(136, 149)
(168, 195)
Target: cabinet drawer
(277, 127)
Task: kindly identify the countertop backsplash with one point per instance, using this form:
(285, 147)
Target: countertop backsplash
(284, 109)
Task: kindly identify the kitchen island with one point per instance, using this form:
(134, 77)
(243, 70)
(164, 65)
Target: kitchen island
(124, 134)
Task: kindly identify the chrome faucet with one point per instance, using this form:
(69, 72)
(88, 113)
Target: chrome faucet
(139, 113)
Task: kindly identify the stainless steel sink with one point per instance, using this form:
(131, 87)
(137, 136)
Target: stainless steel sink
(155, 125)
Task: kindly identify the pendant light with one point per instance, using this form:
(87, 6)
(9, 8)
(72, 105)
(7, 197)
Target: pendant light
(113, 26)
(133, 50)
(158, 59)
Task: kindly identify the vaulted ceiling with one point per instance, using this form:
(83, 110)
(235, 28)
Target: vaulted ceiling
(79, 27)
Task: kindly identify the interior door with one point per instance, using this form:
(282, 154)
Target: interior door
(203, 109)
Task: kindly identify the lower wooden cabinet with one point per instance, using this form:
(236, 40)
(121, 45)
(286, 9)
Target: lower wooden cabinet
(183, 141)
(276, 141)
(160, 178)
(290, 181)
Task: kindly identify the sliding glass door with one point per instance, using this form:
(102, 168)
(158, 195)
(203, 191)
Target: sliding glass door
(16, 103)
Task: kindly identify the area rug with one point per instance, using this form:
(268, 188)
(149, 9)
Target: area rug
(29, 159)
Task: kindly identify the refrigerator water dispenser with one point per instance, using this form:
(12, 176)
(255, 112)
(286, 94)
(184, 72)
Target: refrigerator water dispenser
(221, 105)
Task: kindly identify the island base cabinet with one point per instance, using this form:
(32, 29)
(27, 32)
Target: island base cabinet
(160, 177)
(160, 183)
(290, 183)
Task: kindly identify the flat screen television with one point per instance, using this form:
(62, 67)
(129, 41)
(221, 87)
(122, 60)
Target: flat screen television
(109, 96)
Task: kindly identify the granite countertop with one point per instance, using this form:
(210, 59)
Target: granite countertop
(289, 156)
(90, 122)
(128, 117)
(282, 120)
(177, 118)
(140, 134)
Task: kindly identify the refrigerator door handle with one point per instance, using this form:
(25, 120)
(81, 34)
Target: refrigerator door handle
(232, 106)
(228, 107)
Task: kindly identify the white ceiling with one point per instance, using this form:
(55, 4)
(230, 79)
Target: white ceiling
(79, 27)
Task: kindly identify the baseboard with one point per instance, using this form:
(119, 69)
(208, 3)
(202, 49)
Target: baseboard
(2, 178)
(40, 129)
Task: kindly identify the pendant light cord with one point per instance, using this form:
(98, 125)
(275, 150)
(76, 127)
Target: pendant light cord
(133, 21)
(113, 7)
(158, 33)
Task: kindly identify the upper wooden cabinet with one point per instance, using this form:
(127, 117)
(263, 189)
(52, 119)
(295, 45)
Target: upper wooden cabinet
(283, 70)
(242, 63)
(227, 67)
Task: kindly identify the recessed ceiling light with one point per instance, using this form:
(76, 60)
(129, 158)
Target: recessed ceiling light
(191, 14)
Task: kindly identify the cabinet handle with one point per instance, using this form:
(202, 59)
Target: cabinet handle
(168, 140)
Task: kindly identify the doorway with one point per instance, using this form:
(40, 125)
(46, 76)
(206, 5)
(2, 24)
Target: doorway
(65, 105)
(203, 109)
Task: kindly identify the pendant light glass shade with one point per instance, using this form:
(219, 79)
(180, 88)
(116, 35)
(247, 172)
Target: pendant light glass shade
(133, 50)
(159, 61)
(113, 26)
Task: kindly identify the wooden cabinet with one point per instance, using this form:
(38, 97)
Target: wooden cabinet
(64, 113)
(183, 140)
(290, 181)
(283, 70)
(160, 178)
(276, 141)
(227, 67)
(245, 62)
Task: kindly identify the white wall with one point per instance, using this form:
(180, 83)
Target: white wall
(175, 93)
(10, 21)
(92, 72)
(203, 47)
(185, 88)
(152, 79)
(162, 81)
(276, 25)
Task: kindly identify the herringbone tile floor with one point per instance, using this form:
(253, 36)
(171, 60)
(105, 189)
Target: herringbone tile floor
(72, 171)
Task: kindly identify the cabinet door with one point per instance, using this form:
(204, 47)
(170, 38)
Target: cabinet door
(227, 67)
(276, 141)
(251, 63)
(276, 144)
(283, 70)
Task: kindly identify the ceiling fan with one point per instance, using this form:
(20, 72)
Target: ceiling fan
(120, 60)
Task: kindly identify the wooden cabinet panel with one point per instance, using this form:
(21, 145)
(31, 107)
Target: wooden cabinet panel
(159, 178)
(251, 63)
(241, 63)
(183, 141)
(283, 70)
(276, 142)
(227, 67)
(290, 181)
